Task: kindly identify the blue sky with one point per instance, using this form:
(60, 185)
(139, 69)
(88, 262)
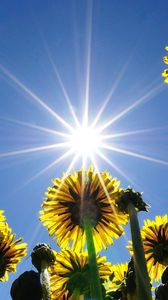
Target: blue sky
(97, 46)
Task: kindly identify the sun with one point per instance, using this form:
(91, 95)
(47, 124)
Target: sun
(85, 141)
(82, 139)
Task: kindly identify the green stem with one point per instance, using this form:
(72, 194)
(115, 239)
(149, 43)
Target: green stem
(76, 294)
(131, 296)
(142, 278)
(96, 290)
(45, 281)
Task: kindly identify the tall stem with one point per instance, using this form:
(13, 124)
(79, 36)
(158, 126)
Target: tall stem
(131, 296)
(96, 290)
(76, 294)
(45, 281)
(142, 278)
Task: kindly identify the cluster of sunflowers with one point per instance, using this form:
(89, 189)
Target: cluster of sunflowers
(84, 212)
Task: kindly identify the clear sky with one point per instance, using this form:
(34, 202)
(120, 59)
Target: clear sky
(80, 52)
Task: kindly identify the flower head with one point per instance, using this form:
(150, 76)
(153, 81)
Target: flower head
(11, 251)
(40, 253)
(165, 59)
(165, 74)
(71, 271)
(3, 227)
(75, 198)
(130, 196)
(155, 242)
(2, 217)
(122, 281)
(119, 272)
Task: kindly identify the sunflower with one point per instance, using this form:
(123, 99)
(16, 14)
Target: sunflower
(2, 217)
(75, 198)
(71, 271)
(119, 271)
(11, 251)
(165, 74)
(121, 283)
(155, 242)
(165, 59)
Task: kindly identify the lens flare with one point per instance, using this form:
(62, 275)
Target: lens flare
(85, 141)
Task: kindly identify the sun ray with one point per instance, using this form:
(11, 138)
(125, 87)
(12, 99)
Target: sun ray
(148, 96)
(133, 132)
(34, 235)
(35, 97)
(104, 188)
(41, 128)
(99, 175)
(64, 91)
(109, 95)
(54, 163)
(38, 227)
(114, 166)
(135, 154)
(84, 161)
(88, 62)
(100, 178)
(35, 149)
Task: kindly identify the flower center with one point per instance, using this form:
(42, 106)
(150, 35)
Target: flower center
(3, 264)
(161, 253)
(85, 208)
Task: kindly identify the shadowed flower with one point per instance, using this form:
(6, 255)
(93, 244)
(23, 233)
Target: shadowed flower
(119, 271)
(42, 253)
(78, 197)
(115, 284)
(155, 242)
(130, 196)
(161, 291)
(11, 251)
(71, 271)
(122, 281)
(42, 257)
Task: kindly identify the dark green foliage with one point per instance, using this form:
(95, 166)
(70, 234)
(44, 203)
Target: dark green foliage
(27, 287)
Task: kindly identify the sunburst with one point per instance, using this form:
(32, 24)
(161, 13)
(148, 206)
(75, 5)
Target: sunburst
(84, 140)
(81, 139)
